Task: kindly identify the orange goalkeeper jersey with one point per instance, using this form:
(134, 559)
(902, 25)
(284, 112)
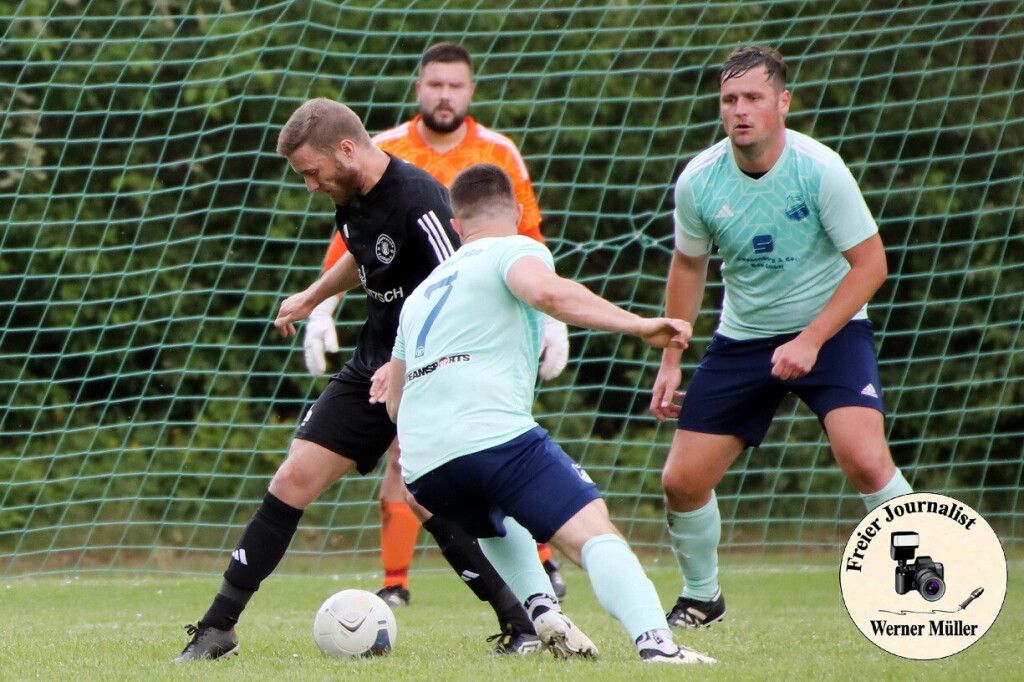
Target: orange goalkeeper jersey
(480, 145)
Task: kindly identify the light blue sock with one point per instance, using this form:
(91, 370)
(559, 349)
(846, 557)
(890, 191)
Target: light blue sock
(621, 585)
(515, 558)
(695, 536)
(896, 486)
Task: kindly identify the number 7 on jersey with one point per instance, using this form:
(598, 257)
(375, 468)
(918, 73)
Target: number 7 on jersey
(421, 338)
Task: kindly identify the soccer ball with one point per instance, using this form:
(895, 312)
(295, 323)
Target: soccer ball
(354, 623)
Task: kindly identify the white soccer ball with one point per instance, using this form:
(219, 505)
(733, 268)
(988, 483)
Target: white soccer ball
(354, 623)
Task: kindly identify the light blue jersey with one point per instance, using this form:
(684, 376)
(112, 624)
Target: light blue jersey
(470, 349)
(781, 236)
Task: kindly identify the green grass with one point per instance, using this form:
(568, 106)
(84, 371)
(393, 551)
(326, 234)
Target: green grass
(783, 623)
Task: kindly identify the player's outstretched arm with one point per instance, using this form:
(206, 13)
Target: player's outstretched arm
(342, 276)
(533, 282)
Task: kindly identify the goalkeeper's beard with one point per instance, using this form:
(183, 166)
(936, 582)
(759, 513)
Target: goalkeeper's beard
(442, 127)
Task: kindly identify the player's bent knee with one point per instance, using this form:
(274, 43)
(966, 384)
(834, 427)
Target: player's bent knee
(308, 469)
(869, 475)
(294, 485)
(684, 494)
(589, 522)
(859, 446)
(679, 485)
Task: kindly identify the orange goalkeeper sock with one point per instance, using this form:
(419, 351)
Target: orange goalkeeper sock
(398, 530)
(544, 552)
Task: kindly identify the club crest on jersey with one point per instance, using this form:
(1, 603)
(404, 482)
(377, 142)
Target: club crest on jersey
(796, 209)
(385, 249)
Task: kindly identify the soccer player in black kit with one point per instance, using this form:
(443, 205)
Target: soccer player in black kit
(396, 221)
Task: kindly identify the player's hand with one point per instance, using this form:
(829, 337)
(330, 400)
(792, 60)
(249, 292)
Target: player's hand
(554, 349)
(662, 332)
(379, 384)
(321, 336)
(794, 359)
(663, 396)
(294, 308)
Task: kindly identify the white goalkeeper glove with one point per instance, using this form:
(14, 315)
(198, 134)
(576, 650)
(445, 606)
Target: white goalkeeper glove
(554, 349)
(320, 336)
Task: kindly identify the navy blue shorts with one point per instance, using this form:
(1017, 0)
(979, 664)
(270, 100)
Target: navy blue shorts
(345, 422)
(733, 392)
(529, 478)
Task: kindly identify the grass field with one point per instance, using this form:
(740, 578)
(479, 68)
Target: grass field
(782, 624)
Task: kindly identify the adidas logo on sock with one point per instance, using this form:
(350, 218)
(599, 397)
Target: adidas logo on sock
(469, 575)
(239, 556)
(869, 390)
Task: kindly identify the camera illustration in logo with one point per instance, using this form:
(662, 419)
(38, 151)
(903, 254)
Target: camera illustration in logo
(924, 575)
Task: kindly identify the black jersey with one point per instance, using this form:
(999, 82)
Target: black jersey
(398, 232)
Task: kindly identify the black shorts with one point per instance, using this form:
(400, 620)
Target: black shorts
(344, 421)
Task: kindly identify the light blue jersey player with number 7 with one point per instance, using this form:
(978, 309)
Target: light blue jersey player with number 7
(460, 387)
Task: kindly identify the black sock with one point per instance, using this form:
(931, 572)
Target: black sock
(464, 554)
(510, 611)
(223, 613)
(260, 549)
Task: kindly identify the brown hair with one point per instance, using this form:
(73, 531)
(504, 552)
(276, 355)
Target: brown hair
(322, 124)
(744, 59)
(446, 53)
(479, 188)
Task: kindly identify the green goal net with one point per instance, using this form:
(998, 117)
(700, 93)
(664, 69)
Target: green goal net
(148, 231)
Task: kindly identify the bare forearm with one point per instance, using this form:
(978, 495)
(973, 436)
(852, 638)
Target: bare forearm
(868, 270)
(856, 289)
(684, 292)
(534, 283)
(342, 276)
(337, 279)
(574, 304)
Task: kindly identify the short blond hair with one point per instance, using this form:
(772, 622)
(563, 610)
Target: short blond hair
(322, 124)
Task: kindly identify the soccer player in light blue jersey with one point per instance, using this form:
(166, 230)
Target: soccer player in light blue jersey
(460, 386)
(801, 257)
